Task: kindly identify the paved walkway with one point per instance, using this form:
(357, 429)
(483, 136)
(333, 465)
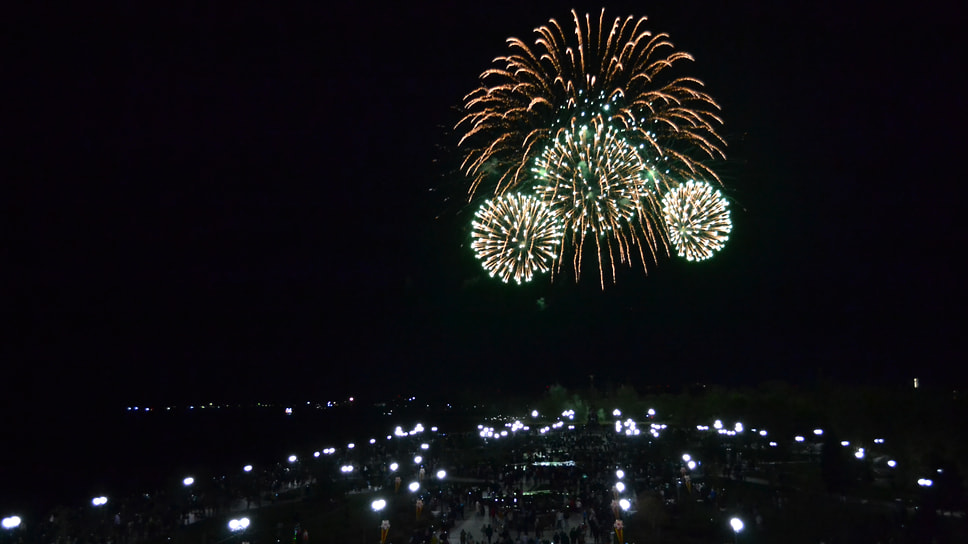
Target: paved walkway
(473, 524)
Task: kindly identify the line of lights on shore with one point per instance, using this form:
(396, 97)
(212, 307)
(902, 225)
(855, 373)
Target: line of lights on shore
(628, 427)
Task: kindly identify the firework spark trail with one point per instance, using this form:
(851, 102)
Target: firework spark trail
(697, 218)
(509, 118)
(597, 183)
(515, 236)
(591, 120)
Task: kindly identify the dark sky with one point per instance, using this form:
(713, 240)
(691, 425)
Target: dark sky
(259, 202)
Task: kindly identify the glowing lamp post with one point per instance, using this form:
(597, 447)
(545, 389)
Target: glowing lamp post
(99, 501)
(384, 529)
(187, 482)
(238, 525)
(10, 524)
(737, 525)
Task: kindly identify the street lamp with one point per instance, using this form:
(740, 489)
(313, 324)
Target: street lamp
(384, 529)
(99, 501)
(236, 525)
(12, 522)
(378, 505)
(187, 482)
(737, 525)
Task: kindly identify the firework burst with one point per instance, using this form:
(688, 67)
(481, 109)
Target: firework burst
(619, 71)
(515, 236)
(599, 186)
(697, 219)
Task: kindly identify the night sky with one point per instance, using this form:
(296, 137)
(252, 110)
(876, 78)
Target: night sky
(260, 202)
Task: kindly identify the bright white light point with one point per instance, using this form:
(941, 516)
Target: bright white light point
(292, 458)
(691, 465)
(717, 424)
(686, 457)
(619, 474)
(373, 441)
(315, 454)
(736, 524)
(818, 432)
(924, 482)
(738, 428)
(892, 463)
(441, 474)
(351, 445)
(378, 505)
(11, 522)
(616, 412)
(798, 438)
(414, 486)
(418, 459)
(762, 433)
(248, 468)
(425, 446)
(845, 443)
(188, 481)
(620, 487)
(99, 501)
(238, 524)
(772, 444)
(859, 454)
(625, 504)
(394, 467)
